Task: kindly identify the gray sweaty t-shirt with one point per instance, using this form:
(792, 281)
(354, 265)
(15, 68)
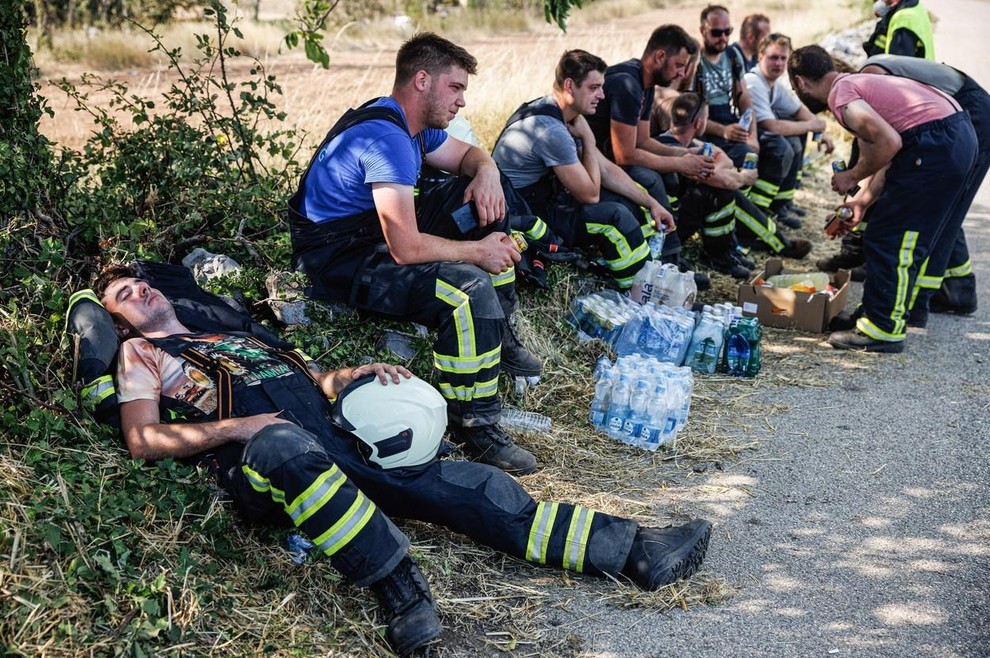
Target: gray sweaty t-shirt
(528, 148)
(770, 102)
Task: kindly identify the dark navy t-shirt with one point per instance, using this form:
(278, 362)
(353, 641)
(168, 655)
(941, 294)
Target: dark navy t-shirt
(626, 101)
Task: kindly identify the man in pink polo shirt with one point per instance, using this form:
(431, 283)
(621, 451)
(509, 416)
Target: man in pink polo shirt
(916, 150)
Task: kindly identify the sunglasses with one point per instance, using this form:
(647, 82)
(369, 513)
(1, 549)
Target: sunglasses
(702, 102)
(720, 33)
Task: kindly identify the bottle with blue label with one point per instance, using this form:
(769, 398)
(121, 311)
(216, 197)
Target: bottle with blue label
(654, 432)
(743, 354)
(638, 402)
(618, 408)
(600, 403)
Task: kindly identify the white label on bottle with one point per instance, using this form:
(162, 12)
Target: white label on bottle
(749, 307)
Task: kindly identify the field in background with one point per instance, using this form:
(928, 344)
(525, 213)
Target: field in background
(516, 55)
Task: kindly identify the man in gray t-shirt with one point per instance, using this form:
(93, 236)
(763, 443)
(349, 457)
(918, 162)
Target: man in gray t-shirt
(783, 124)
(548, 152)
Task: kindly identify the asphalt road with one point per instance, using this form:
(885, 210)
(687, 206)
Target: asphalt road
(866, 527)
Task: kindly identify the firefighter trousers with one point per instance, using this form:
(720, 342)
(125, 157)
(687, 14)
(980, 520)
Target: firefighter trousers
(321, 484)
(975, 100)
(922, 185)
(464, 304)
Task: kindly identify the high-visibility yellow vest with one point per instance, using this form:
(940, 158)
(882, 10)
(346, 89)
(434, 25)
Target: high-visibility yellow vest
(917, 21)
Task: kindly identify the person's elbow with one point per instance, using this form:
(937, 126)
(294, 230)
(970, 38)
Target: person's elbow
(587, 196)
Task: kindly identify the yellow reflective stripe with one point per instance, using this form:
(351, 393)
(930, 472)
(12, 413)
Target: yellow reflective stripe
(785, 195)
(882, 42)
(627, 255)
(905, 258)
(766, 232)
(303, 355)
(343, 531)
(577, 538)
(625, 282)
(316, 495)
(99, 389)
(75, 298)
(960, 270)
(866, 326)
(467, 393)
(261, 484)
(463, 321)
(539, 532)
(464, 365)
(768, 188)
(726, 211)
(932, 282)
(537, 230)
(504, 278)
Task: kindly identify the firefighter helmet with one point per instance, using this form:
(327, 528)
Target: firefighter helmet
(399, 425)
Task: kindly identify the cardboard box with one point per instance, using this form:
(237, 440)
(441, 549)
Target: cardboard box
(788, 309)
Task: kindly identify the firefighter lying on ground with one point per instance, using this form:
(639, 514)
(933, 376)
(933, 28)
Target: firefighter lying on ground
(268, 422)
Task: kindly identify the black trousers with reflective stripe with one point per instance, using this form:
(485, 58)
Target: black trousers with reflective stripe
(474, 499)
(975, 100)
(921, 188)
(458, 300)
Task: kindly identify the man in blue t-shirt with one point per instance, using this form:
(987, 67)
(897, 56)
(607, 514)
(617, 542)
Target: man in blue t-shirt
(548, 152)
(441, 258)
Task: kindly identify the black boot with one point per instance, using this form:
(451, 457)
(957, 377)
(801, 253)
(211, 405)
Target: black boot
(404, 597)
(850, 254)
(957, 295)
(661, 556)
(516, 359)
(489, 444)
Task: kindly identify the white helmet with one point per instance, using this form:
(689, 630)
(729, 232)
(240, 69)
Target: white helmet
(400, 425)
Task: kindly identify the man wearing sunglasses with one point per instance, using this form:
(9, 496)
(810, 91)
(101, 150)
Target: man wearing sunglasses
(720, 80)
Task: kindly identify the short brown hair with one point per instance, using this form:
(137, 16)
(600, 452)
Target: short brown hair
(111, 273)
(711, 9)
(686, 109)
(750, 23)
(432, 53)
(670, 39)
(576, 65)
(774, 39)
(811, 62)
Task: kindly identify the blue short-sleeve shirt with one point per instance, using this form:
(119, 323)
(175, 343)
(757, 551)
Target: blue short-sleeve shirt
(338, 184)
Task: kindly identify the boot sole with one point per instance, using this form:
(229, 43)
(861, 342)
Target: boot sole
(881, 347)
(691, 563)
(688, 559)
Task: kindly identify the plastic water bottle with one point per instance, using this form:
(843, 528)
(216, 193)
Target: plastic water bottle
(641, 291)
(602, 365)
(753, 333)
(524, 421)
(736, 353)
(706, 344)
(656, 244)
(652, 434)
(746, 120)
(600, 403)
(638, 403)
(618, 408)
(685, 381)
